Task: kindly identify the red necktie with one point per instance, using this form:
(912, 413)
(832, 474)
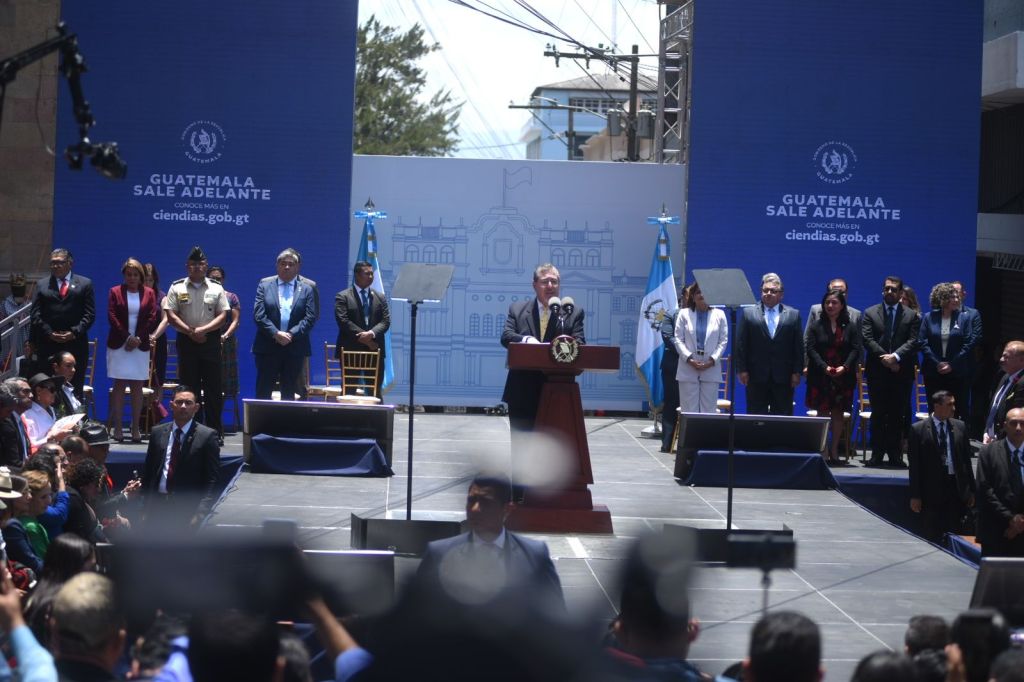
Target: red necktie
(63, 288)
(175, 455)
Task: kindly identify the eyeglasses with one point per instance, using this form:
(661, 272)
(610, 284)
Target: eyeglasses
(890, 289)
(548, 281)
(56, 263)
(184, 403)
(770, 290)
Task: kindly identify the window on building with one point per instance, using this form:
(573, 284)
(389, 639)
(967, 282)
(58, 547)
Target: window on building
(474, 324)
(575, 258)
(627, 332)
(412, 253)
(558, 257)
(626, 368)
(430, 254)
(593, 258)
(447, 254)
(488, 329)
(616, 304)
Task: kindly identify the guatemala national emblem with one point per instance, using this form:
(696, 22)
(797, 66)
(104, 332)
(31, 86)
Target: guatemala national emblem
(203, 141)
(834, 162)
(565, 350)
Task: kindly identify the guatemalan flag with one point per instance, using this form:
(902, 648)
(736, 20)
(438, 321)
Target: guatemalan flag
(368, 253)
(659, 302)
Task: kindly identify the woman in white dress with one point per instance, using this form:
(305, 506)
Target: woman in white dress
(133, 313)
(701, 336)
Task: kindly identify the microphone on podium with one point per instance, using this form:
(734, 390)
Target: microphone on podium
(555, 308)
(568, 306)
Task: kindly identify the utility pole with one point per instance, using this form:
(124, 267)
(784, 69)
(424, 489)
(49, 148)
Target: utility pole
(632, 147)
(632, 151)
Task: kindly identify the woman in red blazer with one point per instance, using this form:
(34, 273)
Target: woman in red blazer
(133, 313)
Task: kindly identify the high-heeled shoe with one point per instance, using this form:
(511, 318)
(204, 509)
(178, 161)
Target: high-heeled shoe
(117, 435)
(136, 437)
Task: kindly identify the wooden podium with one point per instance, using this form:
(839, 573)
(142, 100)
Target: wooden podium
(569, 509)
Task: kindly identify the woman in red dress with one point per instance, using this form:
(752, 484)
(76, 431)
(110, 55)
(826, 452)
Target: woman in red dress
(834, 348)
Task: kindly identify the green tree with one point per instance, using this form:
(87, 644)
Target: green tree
(392, 117)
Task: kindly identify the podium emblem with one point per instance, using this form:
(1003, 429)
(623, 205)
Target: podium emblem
(565, 350)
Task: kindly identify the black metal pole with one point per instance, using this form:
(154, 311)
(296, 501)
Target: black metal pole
(412, 413)
(732, 421)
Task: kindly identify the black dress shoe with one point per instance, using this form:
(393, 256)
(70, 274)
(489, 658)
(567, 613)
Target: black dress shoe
(220, 441)
(875, 463)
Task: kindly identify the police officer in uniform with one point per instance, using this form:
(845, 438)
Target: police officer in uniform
(197, 307)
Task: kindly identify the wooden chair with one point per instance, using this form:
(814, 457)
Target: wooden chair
(921, 407)
(360, 371)
(331, 388)
(88, 395)
(863, 410)
(171, 375)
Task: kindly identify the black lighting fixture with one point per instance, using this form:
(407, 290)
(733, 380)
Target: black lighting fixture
(103, 155)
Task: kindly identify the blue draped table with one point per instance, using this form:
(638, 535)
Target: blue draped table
(122, 464)
(317, 456)
(785, 470)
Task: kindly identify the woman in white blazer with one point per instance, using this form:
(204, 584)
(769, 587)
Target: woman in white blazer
(700, 337)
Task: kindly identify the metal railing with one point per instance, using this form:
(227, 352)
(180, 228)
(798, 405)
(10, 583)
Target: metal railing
(13, 335)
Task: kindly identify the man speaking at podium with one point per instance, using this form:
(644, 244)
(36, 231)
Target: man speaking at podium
(536, 321)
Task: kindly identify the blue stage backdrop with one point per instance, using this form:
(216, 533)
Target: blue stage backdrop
(835, 139)
(235, 119)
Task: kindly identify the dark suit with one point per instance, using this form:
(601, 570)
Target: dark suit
(13, 442)
(1000, 498)
(669, 367)
(958, 353)
(770, 361)
(1011, 399)
(943, 496)
(527, 563)
(75, 313)
(522, 387)
(348, 313)
(277, 364)
(82, 519)
(889, 390)
(193, 489)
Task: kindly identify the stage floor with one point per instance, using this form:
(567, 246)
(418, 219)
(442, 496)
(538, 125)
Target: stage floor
(859, 577)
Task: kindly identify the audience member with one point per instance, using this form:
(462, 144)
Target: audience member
(296, 659)
(40, 495)
(88, 630)
(63, 310)
(133, 313)
(925, 632)
(62, 363)
(67, 556)
(83, 489)
(785, 646)
(40, 416)
(930, 665)
(654, 630)
(50, 460)
(34, 663)
(890, 333)
(1008, 666)
(228, 338)
(15, 343)
(15, 400)
(231, 645)
(769, 351)
(151, 649)
(979, 635)
(14, 490)
(75, 448)
(884, 666)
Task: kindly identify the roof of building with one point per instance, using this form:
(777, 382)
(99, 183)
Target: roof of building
(594, 82)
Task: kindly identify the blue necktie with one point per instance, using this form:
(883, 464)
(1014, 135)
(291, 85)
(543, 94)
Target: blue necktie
(366, 305)
(772, 319)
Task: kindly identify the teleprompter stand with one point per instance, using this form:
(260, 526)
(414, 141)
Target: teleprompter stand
(417, 283)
